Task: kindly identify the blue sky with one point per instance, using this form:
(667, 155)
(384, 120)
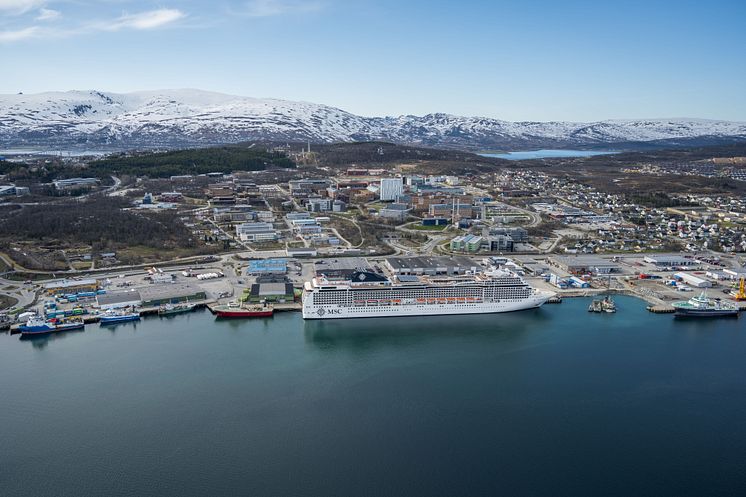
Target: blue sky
(516, 60)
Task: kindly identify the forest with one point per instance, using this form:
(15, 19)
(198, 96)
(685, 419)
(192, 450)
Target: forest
(225, 159)
(372, 154)
(99, 222)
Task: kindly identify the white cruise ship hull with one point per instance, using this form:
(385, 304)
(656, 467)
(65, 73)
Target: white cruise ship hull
(331, 311)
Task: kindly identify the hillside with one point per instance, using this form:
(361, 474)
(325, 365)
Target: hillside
(191, 161)
(182, 118)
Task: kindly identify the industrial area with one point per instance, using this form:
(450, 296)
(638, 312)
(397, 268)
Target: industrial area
(244, 244)
(275, 284)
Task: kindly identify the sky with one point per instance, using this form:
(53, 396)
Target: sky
(527, 60)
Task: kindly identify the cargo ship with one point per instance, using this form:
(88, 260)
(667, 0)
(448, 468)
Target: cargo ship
(171, 309)
(112, 317)
(236, 310)
(367, 294)
(702, 306)
(39, 326)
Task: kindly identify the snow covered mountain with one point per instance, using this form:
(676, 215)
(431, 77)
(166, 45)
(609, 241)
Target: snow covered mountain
(175, 118)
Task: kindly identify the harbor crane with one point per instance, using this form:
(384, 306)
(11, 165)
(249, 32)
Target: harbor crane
(740, 295)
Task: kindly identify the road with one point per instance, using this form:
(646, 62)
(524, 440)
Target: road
(24, 294)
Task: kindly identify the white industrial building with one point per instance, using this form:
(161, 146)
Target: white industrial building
(256, 232)
(693, 281)
(119, 300)
(391, 188)
(669, 260)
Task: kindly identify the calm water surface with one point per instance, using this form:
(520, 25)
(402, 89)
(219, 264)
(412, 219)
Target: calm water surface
(545, 154)
(555, 401)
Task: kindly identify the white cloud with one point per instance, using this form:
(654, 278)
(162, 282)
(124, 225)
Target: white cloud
(47, 14)
(19, 6)
(144, 20)
(151, 19)
(19, 34)
(267, 8)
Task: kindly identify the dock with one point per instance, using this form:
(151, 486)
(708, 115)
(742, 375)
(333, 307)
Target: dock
(660, 309)
(288, 307)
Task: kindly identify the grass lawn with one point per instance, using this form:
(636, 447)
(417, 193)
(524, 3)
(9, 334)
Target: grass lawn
(7, 301)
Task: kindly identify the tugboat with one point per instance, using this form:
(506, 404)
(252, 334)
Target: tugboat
(114, 317)
(595, 306)
(608, 305)
(605, 304)
(236, 310)
(171, 309)
(703, 307)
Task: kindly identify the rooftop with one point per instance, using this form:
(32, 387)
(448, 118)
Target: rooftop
(584, 260)
(427, 262)
(118, 297)
(351, 263)
(69, 283)
(176, 290)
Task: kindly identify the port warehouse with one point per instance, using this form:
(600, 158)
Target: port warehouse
(152, 296)
(432, 265)
(301, 252)
(271, 291)
(118, 300)
(341, 269)
(64, 287)
(564, 283)
(693, 280)
(268, 266)
(584, 264)
(669, 260)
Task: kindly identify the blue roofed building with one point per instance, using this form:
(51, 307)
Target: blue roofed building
(268, 266)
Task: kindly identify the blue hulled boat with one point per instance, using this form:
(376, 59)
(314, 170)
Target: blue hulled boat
(113, 317)
(39, 326)
(36, 326)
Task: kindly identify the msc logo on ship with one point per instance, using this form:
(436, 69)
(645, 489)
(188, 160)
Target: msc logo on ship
(321, 312)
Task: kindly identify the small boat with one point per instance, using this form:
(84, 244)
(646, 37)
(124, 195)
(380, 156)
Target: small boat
(702, 306)
(70, 325)
(236, 310)
(170, 309)
(608, 305)
(605, 304)
(113, 317)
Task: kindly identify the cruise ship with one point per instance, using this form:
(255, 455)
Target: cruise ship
(368, 294)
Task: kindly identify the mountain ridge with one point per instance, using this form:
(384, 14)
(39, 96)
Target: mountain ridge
(189, 117)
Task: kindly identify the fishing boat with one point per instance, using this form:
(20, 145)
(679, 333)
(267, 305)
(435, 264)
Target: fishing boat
(114, 317)
(702, 306)
(237, 310)
(171, 309)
